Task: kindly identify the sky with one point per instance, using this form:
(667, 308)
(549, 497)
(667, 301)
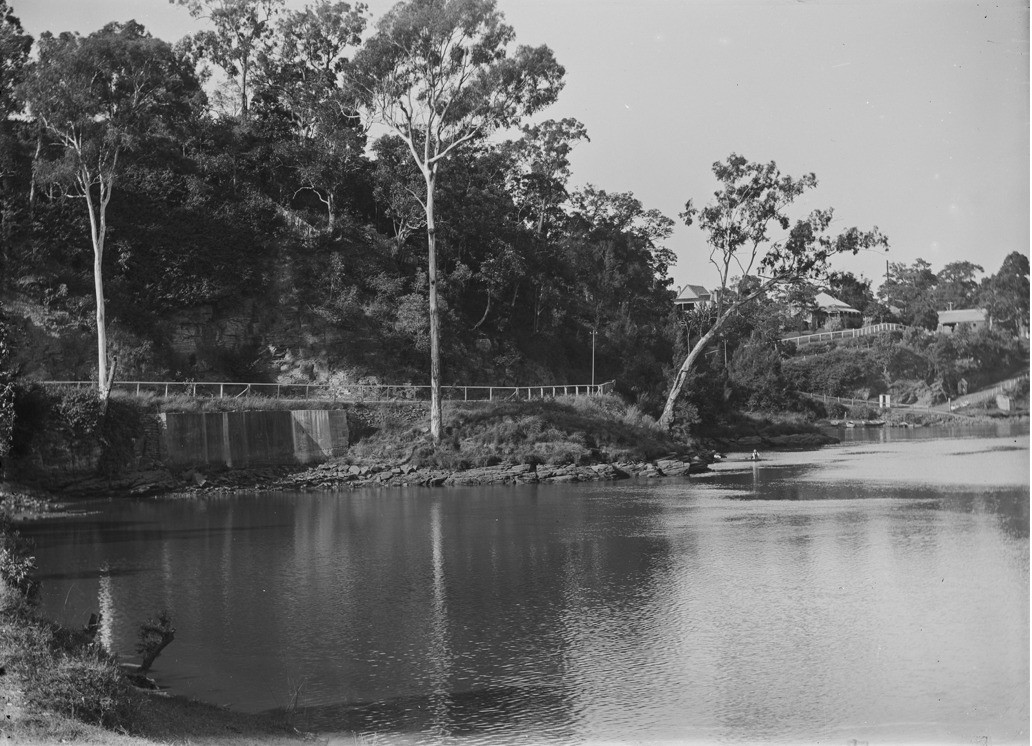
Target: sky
(913, 114)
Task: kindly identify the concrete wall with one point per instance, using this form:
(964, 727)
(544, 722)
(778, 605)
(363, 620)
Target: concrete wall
(247, 439)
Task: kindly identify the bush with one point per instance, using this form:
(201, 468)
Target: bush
(121, 429)
(80, 413)
(61, 670)
(83, 682)
(56, 426)
(575, 430)
(17, 589)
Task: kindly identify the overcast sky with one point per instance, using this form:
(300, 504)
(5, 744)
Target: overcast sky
(914, 114)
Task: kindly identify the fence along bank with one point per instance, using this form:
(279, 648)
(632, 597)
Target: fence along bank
(133, 448)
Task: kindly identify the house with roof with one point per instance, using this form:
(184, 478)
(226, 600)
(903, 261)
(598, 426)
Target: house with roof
(829, 307)
(969, 319)
(828, 312)
(691, 297)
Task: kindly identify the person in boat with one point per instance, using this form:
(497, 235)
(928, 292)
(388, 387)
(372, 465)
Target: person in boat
(755, 456)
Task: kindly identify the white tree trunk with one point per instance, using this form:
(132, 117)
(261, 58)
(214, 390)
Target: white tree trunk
(667, 418)
(98, 232)
(435, 321)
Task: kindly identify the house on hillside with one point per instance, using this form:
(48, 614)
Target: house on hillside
(831, 313)
(970, 319)
(691, 297)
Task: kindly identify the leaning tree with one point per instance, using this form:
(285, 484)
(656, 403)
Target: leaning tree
(756, 247)
(97, 98)
(439, 74)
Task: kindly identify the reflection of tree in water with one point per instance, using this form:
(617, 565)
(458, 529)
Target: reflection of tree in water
(560, 612)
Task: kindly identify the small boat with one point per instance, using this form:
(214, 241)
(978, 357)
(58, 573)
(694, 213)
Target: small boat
(874, 423)
(850, 423)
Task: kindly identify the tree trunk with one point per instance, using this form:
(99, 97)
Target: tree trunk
(435, 322)
(243, 91)
(32, 182)
(103, 382)
(667, 418)
(98, 229)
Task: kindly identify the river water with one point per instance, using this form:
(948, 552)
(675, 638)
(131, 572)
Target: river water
(877, 590)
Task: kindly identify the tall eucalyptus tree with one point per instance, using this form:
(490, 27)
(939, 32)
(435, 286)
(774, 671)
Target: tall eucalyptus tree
(440, 74)
(97, 98)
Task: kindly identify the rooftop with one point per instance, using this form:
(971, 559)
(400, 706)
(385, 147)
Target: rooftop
(827, 302)
(962, 316)
(692, 294)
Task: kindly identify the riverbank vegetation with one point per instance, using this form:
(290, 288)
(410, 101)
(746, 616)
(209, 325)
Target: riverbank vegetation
(270, 240)
(572, 430)
(59, 685)
(258, 233)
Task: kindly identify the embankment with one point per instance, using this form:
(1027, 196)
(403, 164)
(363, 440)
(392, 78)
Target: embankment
(67, 445)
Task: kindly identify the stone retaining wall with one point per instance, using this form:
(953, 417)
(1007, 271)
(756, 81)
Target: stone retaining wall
(254, 438)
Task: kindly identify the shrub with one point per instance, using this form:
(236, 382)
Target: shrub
(121, 430)
(61, 670)
(17, 590)
(80, 413)
(82, 682)
(56, 425)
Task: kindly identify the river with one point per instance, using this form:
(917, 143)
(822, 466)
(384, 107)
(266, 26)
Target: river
(877, 590)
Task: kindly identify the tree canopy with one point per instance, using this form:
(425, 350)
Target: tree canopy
(373, 193)
(439, 75)
(97, 97)
(753, 238)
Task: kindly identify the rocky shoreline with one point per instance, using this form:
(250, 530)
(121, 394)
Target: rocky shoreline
(339, 475)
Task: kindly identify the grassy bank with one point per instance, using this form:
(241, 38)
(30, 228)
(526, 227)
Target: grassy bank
(63, 440)
(563, 431)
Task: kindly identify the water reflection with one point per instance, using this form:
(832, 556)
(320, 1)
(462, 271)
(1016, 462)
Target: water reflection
(764, 602)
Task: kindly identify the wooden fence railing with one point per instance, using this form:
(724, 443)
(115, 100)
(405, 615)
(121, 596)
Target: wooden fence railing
(989, 393)
(371, 393)
(873, 404)
(948, 408)
(863, 331)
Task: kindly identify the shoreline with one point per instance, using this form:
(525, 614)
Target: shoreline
(170, 717)
(339, 474)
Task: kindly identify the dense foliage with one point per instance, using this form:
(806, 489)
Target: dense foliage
(74, 427)
(257, 229)
(911, 366)
(272, 241)
(7, 394)
(914, 294)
